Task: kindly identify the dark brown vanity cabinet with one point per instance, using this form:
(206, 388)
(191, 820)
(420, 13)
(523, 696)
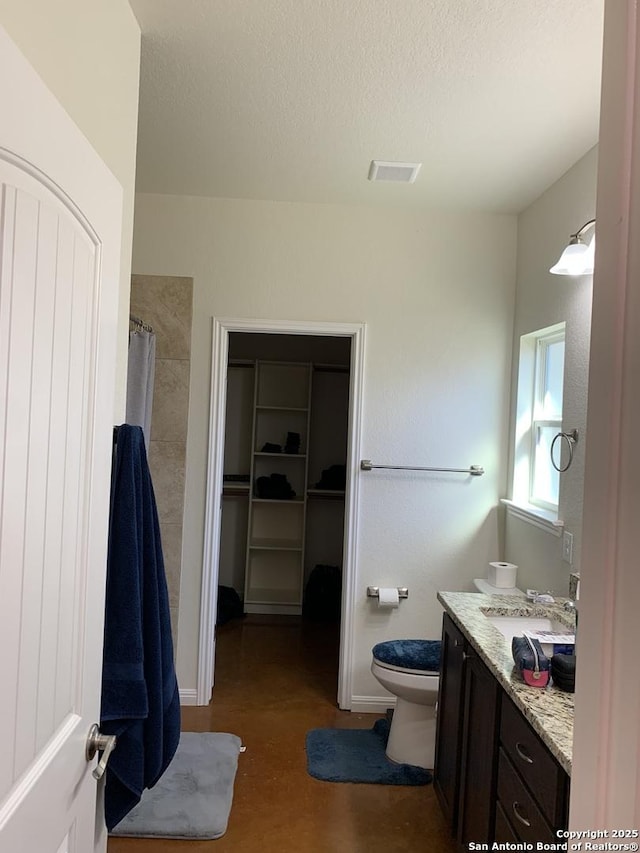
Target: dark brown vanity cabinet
(494, 778)
(465, 761)
(533, 790)
(446, 776)
(478, 765)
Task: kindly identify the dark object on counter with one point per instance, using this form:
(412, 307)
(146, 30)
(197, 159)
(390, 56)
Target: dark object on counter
(322, 600)
(229, 605)
(293, 443)
(236, 478)
(531, 661)
(268, 447)
(334, 477)
(275, 487)
(563, 672)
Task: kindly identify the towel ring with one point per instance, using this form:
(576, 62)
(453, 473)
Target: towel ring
(572, 439)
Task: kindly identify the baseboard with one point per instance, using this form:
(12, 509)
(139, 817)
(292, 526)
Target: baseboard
(372, 704)
(188, 696)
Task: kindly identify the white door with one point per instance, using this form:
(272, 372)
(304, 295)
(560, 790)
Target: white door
(60, 233)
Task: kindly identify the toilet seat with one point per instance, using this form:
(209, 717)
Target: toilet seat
(418, 657)
(409, 670)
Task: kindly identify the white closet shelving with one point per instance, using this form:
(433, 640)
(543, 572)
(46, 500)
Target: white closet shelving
(269, 547)
(274, 573)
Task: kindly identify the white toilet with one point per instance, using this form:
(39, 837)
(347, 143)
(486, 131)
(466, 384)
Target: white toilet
(410, 670)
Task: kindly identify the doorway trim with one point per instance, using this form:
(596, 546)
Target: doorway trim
(222, 327)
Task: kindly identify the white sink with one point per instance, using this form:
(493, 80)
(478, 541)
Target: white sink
(513, 626)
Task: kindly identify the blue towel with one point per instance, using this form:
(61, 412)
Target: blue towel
(140, 703)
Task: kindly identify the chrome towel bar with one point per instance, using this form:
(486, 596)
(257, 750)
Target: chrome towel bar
(474, 470)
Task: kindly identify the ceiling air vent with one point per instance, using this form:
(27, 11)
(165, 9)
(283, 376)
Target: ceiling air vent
(404, 173)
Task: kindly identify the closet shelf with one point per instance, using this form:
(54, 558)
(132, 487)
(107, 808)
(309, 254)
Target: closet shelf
(275, 545)
(281, 455)
(326, 494)
(331, 368)
(272, 596)
(294, 501)
(281, 409)
(236, 491)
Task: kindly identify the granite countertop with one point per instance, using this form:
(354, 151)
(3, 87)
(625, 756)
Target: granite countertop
(548, 709)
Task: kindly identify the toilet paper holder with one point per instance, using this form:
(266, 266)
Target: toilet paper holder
(374, 592)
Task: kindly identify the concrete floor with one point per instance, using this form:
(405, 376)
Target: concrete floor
(276, 678)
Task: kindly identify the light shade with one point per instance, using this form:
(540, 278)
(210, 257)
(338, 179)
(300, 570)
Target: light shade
(578, 257)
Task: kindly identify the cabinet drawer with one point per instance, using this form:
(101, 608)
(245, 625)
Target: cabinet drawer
(544, 777)
(504, 831)
(522, 813)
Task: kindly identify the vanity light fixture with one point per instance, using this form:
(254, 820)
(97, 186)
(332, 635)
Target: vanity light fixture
(578, 257)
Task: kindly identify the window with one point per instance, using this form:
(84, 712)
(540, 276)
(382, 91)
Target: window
(539, 418)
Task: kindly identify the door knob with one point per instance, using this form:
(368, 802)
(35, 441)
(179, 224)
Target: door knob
(97, 742)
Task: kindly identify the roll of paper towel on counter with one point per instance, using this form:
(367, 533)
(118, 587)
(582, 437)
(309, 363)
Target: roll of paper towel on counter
(388, 597)
(502, 575)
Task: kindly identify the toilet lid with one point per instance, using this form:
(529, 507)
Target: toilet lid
(414, 655)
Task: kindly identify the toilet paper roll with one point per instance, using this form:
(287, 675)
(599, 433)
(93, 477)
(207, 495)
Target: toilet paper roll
(388, 597)
(502, 575)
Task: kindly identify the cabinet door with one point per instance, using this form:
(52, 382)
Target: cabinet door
(446, 774)
(478, 766)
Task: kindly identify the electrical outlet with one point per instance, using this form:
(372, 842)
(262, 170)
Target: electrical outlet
(567, 547)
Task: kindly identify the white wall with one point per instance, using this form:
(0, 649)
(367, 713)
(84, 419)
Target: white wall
(437, 294)
(543, 299)
(88, 54)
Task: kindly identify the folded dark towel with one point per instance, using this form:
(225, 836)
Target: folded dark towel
(334, 477)
(140, 703)
(293, 443)
(274, 487)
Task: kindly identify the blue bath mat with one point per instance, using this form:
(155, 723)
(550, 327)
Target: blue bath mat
(358, 755)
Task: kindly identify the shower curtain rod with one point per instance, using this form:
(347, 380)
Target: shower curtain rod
(140, 323)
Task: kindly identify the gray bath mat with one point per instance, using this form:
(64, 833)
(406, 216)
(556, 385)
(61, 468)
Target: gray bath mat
(193, 798)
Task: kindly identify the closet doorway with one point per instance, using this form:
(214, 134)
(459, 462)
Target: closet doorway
(282, 482)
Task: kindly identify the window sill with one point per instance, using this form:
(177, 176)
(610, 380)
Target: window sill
(542, 518)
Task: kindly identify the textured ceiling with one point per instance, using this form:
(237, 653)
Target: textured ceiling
(291, 99)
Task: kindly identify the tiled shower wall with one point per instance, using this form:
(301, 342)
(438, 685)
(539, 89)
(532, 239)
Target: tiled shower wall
(165, 303)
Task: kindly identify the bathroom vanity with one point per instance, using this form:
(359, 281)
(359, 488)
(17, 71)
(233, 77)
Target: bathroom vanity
(503, 749)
